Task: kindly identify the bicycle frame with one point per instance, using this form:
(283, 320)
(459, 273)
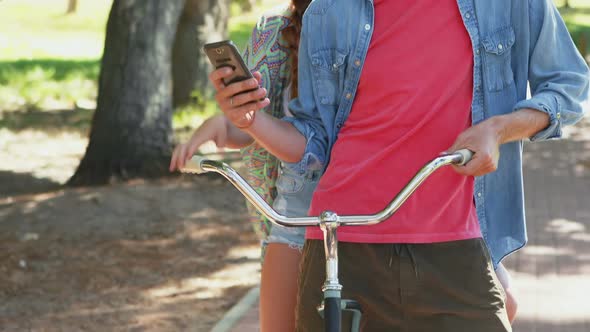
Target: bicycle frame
(329, 222)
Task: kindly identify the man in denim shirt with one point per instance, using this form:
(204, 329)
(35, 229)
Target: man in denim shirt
(397, 83)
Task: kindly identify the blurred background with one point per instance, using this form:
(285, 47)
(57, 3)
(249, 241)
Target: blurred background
(50, 60)
(94, 232)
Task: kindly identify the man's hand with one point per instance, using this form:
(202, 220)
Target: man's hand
(484, 140)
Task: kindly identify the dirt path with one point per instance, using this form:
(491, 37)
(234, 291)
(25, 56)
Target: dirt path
(166, 255)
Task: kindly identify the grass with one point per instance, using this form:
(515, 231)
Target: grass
(50, 60)
(33, 29)
(37, 83)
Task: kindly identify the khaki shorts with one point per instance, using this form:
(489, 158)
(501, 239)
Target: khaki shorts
(449, 286)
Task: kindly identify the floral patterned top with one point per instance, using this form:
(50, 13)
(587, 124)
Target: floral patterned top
(268, 53)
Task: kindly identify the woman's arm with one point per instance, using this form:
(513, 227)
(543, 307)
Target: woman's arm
(236, 138)
(241, 109)
(217, 129)
(279, 137)
(289, 140)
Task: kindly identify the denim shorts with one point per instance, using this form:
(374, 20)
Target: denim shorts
(294, 192)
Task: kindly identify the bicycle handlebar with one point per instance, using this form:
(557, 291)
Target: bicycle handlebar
(199, 165)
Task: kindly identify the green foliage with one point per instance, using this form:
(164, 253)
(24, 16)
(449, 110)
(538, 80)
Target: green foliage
(572, 3)
(240, 33)
(242, 23)
(242, 5)
(26, 83)
(577, 19)
(191, 116)
(49, 59)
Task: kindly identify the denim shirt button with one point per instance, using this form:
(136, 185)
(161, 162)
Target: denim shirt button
(558, 116)
(348, 95)
(479, 194)
(357, 62)
(367, 27)
(477, 51)
(468, 16)
(500, 46)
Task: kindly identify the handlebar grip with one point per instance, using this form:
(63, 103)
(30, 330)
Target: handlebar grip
(194, 165)
(466, 154)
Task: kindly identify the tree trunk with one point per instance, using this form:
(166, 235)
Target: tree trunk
(72, 6)
(202, 21)
(131, 131)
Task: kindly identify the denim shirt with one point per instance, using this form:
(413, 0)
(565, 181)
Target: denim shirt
(514, 42)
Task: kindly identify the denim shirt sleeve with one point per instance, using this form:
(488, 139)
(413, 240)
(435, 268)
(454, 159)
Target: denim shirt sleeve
(558, 75)
(307, 118)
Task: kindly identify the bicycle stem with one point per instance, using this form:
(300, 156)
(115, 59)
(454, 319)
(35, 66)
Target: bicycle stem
(332, 288)
(329, 225)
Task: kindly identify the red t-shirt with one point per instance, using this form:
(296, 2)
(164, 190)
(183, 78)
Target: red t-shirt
(413, 100)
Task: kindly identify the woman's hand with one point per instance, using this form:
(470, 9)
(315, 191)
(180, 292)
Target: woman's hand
(213, 129)
(239, 101)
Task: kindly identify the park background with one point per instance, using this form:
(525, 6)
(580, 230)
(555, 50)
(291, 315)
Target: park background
(122, 245)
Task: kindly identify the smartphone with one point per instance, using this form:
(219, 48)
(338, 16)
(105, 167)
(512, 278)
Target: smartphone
(225, 54)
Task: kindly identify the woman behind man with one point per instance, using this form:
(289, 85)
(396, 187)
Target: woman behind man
(272, 55)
